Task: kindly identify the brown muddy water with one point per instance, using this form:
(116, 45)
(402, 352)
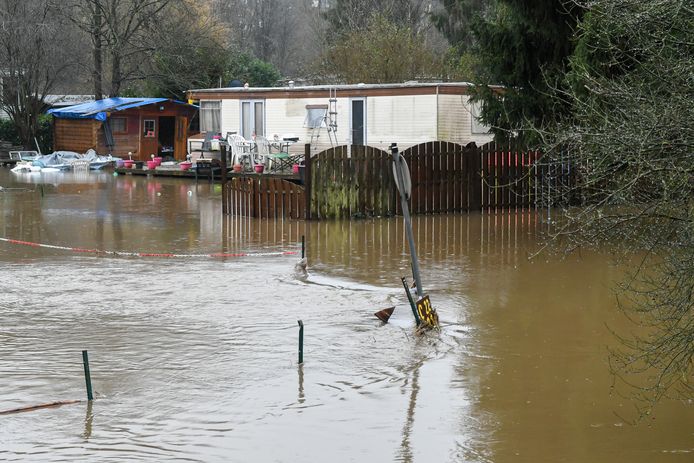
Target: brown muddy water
(195, 359)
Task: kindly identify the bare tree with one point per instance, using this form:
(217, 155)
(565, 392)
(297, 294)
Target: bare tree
(381, 52)
(33, 61)
(346, 16)
(116, 29)
(191, 50)
(631, 138)
(279, 32)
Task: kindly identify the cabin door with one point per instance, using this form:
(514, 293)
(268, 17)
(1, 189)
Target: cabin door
(148, 141)
(180, 138)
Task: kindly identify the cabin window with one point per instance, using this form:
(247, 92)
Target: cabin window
(210, 116)
(252, 118)
(315, 116)
(149, 128)
(477, 126)
(119, 125)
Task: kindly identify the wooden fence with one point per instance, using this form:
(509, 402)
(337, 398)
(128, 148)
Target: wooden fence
(357, 181)
(354, 181)
(264, 198)
(509, 177)
(445, 177)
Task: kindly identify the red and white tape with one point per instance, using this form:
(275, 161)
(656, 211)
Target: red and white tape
(148, 254)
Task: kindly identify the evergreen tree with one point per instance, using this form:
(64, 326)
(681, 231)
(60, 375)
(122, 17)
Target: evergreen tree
(456, 19)
(523, 45)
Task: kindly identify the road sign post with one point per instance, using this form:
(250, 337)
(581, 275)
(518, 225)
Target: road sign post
(424, 313)
(401, 174)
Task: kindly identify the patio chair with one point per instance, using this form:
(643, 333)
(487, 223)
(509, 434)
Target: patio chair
(241, 152)
(276, 161)
(206, 144)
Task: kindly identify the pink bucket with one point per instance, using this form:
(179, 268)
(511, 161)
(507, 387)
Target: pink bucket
(151, 165)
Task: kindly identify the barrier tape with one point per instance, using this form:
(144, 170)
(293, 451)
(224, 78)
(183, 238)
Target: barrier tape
(148, 254)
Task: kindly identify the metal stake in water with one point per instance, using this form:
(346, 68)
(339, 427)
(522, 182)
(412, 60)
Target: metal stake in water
(87, 376)
(404, 184)
(301, 342)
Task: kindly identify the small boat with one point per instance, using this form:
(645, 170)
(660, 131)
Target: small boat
(98, 165)
(25, 167)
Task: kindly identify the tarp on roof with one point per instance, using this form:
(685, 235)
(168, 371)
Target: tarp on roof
(99, 109)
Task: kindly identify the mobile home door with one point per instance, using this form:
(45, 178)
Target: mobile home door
(358, 121)
(252, 118)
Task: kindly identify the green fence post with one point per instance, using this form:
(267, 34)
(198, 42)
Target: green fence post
(301, 342)
(87, 376)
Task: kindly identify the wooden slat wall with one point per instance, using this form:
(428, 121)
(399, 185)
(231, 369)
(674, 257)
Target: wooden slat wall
(77, 135)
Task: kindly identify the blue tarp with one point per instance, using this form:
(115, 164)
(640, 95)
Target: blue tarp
(99, 109)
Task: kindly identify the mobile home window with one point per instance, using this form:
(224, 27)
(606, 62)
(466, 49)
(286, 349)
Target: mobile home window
(210, 116)
(119, 125)
(315, 116)
(149, 128)
(477, 125)
(252, 118)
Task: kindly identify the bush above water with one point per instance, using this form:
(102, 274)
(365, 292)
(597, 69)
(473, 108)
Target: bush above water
(9, 133)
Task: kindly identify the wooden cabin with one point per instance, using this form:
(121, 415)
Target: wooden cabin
(362, 114)
(118, 126)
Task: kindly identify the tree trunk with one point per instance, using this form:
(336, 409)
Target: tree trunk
(116, 75)
(98, 60)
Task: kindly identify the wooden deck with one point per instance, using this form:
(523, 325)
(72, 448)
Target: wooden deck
(203, 174)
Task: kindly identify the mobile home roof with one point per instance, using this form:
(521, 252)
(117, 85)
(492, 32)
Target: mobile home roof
(320, 91)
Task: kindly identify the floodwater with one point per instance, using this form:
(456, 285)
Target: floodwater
(195, 358)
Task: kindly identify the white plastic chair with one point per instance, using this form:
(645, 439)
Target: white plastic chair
(240, 150)
(262, 146)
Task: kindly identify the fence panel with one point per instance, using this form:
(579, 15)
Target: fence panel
(267, 198)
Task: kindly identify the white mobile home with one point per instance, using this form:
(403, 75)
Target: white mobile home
(373, 114)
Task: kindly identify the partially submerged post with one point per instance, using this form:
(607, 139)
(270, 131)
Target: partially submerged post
(87, 376)
(223, 176)
(301, 341)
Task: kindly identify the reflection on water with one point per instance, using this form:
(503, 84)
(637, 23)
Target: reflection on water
(406, 448)
(88, 419)
(195, 359)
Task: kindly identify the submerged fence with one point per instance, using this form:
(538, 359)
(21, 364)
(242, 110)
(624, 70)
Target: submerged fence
(357, 181)
(264, 198)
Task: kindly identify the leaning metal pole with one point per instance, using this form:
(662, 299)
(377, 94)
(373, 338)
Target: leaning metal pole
(402, 180)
